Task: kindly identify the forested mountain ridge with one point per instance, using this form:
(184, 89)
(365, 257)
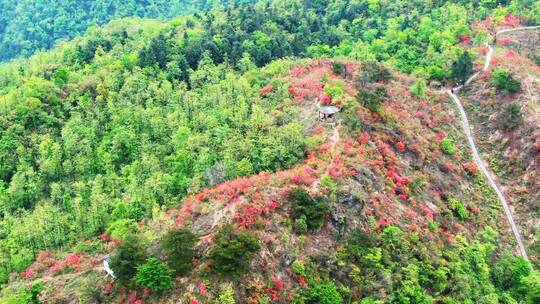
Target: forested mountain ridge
(108, 132)
(29, 25)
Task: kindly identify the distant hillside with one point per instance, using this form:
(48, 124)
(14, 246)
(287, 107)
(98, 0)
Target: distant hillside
(29, 25)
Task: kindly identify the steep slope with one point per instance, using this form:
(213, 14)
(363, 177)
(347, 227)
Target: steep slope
(506, 127)
(407, 219)
(209, 179)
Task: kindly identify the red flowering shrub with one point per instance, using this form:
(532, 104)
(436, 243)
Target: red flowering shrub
(474, 210)
(248, 215)
(400, 146)
(383, 222)
(504, 41)
(337, 168)
(325, 99)
(28, 273)
(277, 287)
(132, 298)
(428, 213)
(266, 90)
(511, 55)
(511, 20)
(72, 261)
(104, 237)
(108, 288)
(465, 38)
(44, 260)
(471, 168)
(318, 129)
(202, 289)
(308, 82)
(440, 136)
(397, 179)
(364, 138)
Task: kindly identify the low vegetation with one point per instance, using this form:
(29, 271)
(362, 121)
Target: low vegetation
(503, 81)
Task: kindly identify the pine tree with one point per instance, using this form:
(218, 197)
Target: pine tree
(462, 68)
(129, 255)
(178, 248)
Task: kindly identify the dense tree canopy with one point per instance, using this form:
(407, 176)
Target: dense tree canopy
(27, 26)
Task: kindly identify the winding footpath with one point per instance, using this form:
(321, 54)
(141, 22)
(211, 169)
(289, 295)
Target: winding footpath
(477, 158)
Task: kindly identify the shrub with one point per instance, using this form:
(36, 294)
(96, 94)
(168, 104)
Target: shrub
(337, 68)
(300, 224)
(504, 81)
(299, 268)
(121, 228)
(447, 146)
(323, 292)
(227, 295)
(232, 251)
(370, 300)
(359, 244)
(129, 255)
(462, 68)
(154, 275)
(335, 89)
(458, 208)
(511, 116)
(308, 208)
(372, 98)
(370, 72)
(419, 88)
(178, 247)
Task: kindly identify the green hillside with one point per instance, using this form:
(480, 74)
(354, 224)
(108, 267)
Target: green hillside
(30, 26)
(142, 135)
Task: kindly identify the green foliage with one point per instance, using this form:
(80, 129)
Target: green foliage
(419, 88)
(232, 251)
(299, 268)
(178, 248)
(329, 183)
(129, 255)
(25, 295)
(530, 287)
(121, 228)
(323, 292)
(227, 295)
(504, 81)
(335, 89)
(447, 146)
(300, 224)
(511, 116)
(462, 68)
(154, 275)
(458, 208)
(508, 274)
(52, 21)
(372, 98)
(370, 300)
(372, 72)
(308, 210)
(360, 245)
(135, 115)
